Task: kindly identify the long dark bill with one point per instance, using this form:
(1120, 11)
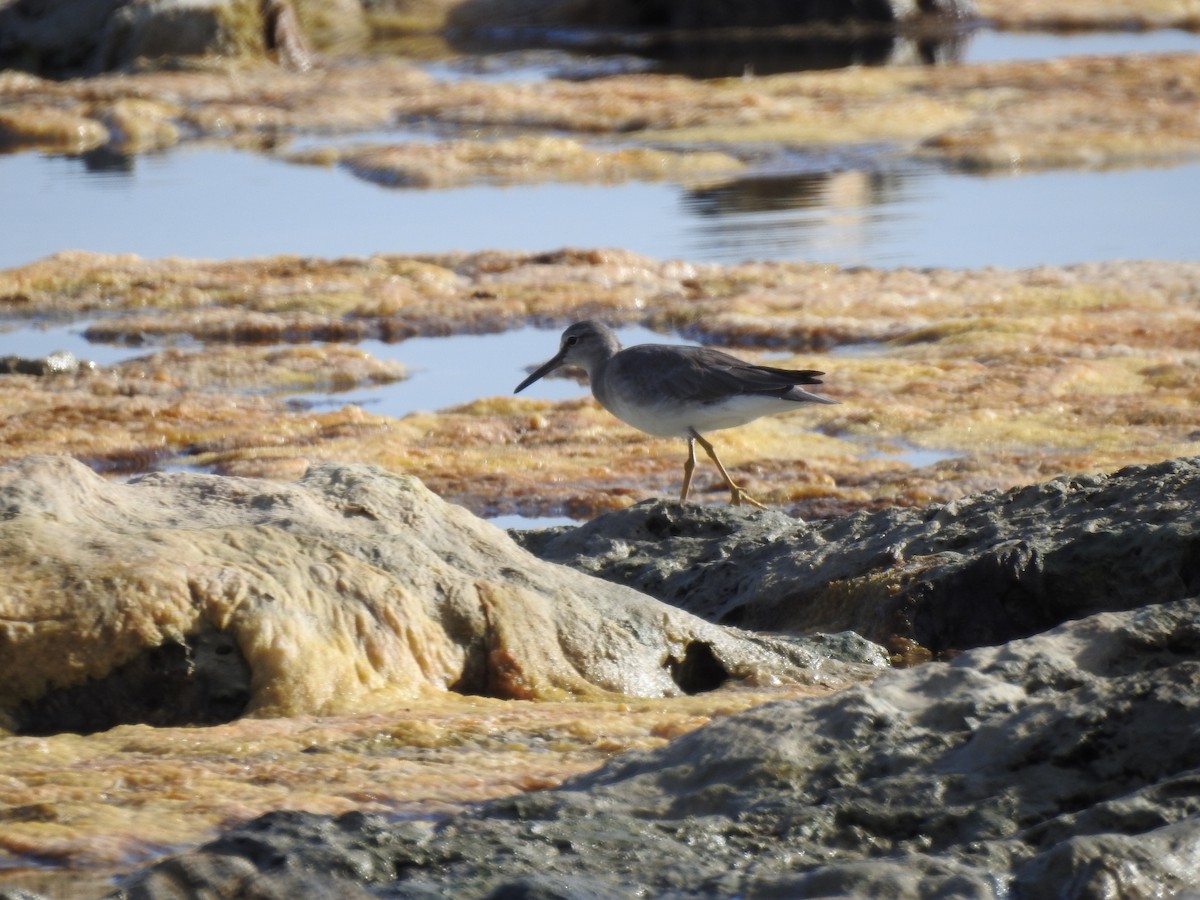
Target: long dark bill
(544, 369)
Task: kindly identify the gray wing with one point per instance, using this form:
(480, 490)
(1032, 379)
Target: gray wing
(704, 375)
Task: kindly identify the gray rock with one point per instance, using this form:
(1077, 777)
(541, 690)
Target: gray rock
(1062, 765)
(17, 894)
(979, 571)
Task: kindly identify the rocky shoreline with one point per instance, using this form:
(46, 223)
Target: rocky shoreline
(1059, 765)
(252, 646)
(980, 571)
(1013, 769)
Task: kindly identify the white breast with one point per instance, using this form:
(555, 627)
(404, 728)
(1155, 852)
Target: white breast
(675, 420)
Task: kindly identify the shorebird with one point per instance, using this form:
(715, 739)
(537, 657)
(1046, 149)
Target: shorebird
(671, 391)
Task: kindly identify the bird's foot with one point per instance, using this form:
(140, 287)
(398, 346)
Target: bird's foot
(737, 497)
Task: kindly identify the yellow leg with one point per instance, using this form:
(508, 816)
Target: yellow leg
(736, 494)
(688, 468)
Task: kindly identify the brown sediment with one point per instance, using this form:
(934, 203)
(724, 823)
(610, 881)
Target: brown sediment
(142, 126)
(1006, 376)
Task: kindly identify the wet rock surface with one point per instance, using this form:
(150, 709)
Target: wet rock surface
(1058, 765)
(981, 570)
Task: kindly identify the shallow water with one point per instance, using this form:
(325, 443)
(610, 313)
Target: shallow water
(1001, 46)
(871, 209)
(439, 379)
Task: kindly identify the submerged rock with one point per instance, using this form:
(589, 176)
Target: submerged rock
(981, 570)
(1059, 765)
(350, 590)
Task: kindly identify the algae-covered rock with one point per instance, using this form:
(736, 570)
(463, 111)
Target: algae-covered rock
(981, 570)
(515, 161)
(26, 126)
(351, 590)
(1060, 765)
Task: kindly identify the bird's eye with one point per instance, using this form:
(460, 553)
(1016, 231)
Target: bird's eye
(572, 341)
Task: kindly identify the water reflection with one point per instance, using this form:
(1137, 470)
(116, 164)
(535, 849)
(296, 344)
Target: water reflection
(717, 58)
(858, 207)
(715, 54)
(864, 209)
(773, 193)
(919, 214)
(513, 54)
(844, 214)
(106, 160)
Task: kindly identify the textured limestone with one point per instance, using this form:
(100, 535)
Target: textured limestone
(981, 570)
(1059, 765)
(351, 590)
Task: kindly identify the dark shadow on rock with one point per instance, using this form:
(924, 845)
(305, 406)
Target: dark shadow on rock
(541, 887)
(200, 680)
(699, 671)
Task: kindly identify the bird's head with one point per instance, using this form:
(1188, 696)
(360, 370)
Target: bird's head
(588, 344)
